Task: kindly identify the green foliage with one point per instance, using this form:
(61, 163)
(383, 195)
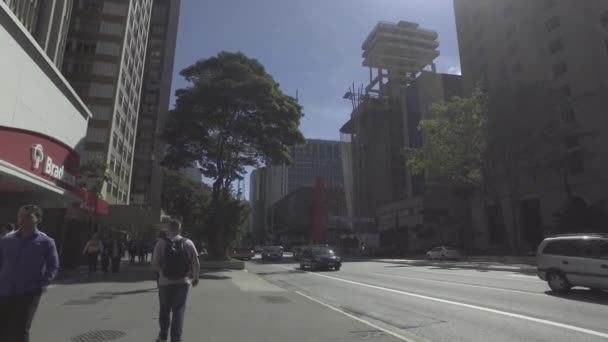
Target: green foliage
(93, 174)
(184, 197)
(455, 142)
(231, 215)
(232, 115)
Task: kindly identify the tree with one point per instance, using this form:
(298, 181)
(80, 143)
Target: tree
(186, 198)
(488, 141)
(232, 116)
(93, 174)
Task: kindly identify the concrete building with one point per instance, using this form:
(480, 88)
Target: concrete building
(384, 199)
(316, 158)
(42, 128)
(104, 62)
(146, 181)
(560, 41)
(47, 22)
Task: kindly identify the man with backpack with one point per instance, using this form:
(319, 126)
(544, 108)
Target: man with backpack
(176, 260)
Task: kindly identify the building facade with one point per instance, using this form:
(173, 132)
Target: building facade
(146, 181)
(47, 22)
(316, 158)
(561, 42)
(104, 62)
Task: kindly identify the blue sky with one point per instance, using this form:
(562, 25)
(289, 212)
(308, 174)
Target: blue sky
(313, 46)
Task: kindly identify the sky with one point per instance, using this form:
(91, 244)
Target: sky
(309, 46)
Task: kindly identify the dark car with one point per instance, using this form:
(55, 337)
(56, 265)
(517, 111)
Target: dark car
(272, 253)
(243, 253)
(297, 252)
(320, 258)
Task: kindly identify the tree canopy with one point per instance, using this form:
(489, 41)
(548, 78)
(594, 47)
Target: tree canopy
(93, 174)
(231, 116)
(184, 197)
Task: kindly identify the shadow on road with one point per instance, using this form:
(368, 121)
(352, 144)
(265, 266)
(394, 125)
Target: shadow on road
(583, 295)
(456, 265)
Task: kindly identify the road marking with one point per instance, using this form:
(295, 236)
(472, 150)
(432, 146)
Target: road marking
(463, 284)
(400, 337)
(516, 276)
(464, 305)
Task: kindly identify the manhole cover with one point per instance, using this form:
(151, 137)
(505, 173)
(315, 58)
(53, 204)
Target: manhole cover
(275, 299)
(99, 336)
(82, 302)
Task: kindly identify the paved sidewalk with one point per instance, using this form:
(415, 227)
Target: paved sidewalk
(227, 306)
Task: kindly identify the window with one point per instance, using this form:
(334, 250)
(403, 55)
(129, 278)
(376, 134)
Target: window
(556, 46)
(576, 166)
(100, 112)
(115, 190)
(115, 140)
(109, 189)
(108, 48)
(114, 8)
(560, 69)
(513, 48)
(96, 134)
(604, 19)
(572, 142)
(110, 28)
(113, 164)
(105, 69)
(101, 90)
(552, 24)
(86, 47)
(517, 68)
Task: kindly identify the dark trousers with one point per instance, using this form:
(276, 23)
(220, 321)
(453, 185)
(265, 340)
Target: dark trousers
(92, 261)
(105, 263)
(115, 265)
(16, 315)
(172, 300)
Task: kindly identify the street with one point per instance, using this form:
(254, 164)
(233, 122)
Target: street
(365, 301)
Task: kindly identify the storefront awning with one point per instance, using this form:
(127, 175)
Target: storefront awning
(93, 204)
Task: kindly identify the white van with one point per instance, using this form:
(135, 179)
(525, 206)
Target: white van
(571, 260)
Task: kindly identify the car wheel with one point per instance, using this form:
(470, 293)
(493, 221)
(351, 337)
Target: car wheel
(558, 282)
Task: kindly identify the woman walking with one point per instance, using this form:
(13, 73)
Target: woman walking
(91, 250)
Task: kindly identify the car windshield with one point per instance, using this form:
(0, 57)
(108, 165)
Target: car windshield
(320, 251)
(274, 249)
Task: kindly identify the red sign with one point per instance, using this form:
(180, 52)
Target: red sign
(41, 156)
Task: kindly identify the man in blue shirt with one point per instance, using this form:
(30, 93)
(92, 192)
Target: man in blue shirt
(28, 263)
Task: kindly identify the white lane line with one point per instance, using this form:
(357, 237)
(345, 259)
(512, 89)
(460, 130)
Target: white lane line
(463, 284)
(469, 306)
(400, 337)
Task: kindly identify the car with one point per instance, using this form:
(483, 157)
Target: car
(443, 252)
(258, 249)
(319, 258)
(243, 253)
(272, 253)
(565, 261)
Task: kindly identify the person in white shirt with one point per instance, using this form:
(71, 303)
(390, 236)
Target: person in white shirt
(176, 260)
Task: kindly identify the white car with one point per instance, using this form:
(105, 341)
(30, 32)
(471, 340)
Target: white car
(572, 260)
(443, 252)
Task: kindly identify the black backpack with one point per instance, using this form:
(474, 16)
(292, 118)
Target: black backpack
(176, 262)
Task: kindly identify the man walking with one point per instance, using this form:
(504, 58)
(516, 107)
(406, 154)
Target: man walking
(175, 258)
(28, 263)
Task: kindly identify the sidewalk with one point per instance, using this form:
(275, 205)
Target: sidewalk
(227, 306)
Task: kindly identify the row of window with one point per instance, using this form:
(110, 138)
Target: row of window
(93, 47)
(113, 190)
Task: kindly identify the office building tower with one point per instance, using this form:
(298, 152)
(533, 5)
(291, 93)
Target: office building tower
(146, 180)
(47, 22)
(104, 62)
(564, 43)
(316, 158)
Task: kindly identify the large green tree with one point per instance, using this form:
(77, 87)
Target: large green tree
(491, 140)
(231, 116)
(93, 173)
(186, 198)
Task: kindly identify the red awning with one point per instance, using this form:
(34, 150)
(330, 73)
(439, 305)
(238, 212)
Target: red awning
(92, 203)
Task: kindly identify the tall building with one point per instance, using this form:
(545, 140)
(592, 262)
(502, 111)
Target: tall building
(316, 158)
(560, 41)
(104, 62)
(146, 181)
(47, 22)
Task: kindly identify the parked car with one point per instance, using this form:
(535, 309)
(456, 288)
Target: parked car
(316, 258)
(272, 253)
(258, 249)
(243, 253)
(443, 252)
(572, 260)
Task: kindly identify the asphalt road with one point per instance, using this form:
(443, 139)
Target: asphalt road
(430, 303)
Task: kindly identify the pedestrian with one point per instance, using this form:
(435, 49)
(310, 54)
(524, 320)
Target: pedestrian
(28, 264)
(117, 250)
(132, 251)
(176, 260)
(161, 236)
(105, 255)
(91, 250)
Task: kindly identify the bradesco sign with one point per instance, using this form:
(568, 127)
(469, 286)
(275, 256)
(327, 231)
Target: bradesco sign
(40, 156)
(49, 168)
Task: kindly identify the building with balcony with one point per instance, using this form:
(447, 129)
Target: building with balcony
(104, 62)
(146, 180)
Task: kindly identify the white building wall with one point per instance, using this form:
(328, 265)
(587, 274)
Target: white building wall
(37, 98)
